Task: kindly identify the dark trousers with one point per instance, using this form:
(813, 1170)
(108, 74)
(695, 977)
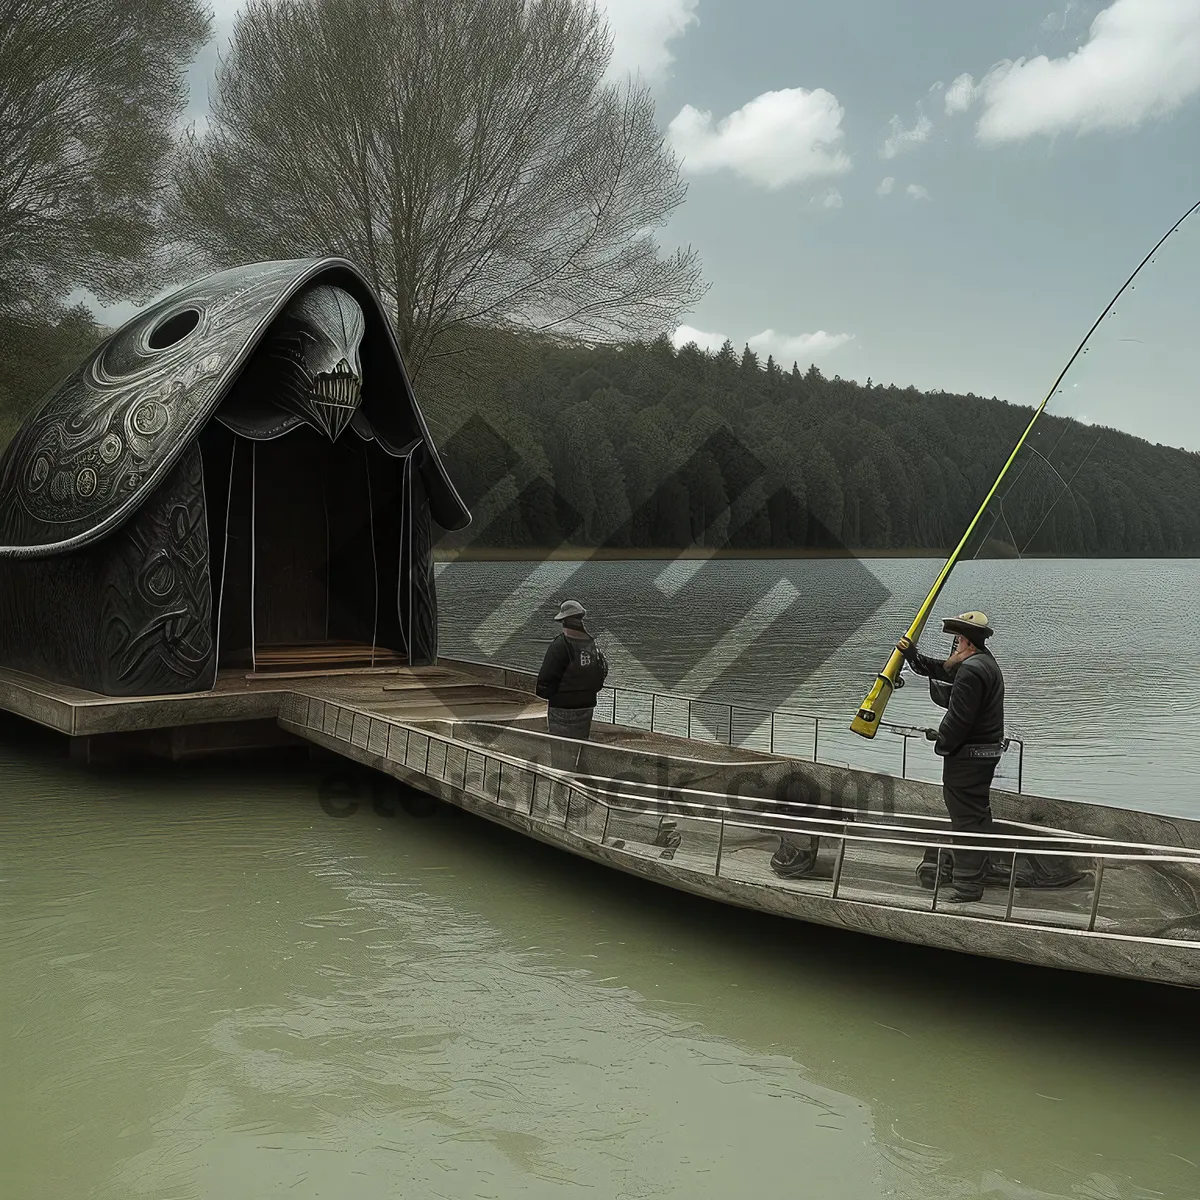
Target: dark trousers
(570, 722)
(966, 791)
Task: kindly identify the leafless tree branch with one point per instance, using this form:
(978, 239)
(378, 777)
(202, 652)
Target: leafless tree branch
(473, 158)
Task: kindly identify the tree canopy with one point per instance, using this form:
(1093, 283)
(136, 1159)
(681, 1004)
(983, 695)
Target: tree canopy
(89, 94)
(472, 158)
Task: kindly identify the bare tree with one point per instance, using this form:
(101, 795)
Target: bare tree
(89, 93)
(470, 157)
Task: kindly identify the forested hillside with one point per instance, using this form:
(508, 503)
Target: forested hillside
(644, 446)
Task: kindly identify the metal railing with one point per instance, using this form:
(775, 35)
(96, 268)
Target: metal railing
(772, 731)
(745, 726)
(558, 800)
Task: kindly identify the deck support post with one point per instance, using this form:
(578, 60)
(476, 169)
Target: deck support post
(1096, 895)
(837, 866)
(1012, 887)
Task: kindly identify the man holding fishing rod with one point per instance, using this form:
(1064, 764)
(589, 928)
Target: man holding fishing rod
(969, 685)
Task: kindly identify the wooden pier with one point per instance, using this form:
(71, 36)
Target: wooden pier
(243, 710)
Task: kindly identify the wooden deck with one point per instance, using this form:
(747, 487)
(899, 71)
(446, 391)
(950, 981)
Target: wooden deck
(408, 693)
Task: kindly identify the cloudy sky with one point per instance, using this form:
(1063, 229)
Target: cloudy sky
(936, 192)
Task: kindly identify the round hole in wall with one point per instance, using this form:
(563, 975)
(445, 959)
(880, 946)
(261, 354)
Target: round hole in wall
(173, 329)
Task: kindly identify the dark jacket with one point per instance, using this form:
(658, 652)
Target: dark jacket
(972, 695)
(573, 671)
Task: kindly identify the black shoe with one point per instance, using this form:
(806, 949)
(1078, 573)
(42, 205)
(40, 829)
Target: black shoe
(793, 862)
(928, 873)
(667, 835)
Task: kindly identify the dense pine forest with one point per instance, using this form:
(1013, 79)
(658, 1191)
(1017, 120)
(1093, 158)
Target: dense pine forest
(643, 446)
(646, 446)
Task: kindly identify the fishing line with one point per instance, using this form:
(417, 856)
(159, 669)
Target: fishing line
(1008, 490)
(1083, 344)
(866, 719)
(1066, 489)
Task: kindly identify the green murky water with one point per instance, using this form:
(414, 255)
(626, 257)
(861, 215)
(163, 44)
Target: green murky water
(211, 988)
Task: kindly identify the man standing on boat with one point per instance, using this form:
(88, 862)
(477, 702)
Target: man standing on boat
(969, 685)
(572, 674)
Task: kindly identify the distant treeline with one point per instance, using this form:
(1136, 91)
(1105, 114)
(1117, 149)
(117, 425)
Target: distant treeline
(646, 446)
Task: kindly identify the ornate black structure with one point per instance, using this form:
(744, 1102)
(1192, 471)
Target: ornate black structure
(238, 474)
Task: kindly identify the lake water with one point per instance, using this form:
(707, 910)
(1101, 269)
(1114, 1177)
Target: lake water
(211, 988)
(1097, 655)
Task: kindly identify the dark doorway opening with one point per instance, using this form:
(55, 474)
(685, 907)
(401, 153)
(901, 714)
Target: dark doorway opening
(305, 546)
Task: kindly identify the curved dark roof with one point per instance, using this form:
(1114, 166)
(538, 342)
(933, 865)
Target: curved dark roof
(109, 432)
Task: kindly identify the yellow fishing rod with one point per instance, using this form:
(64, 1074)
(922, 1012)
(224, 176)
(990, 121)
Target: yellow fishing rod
(866, 720)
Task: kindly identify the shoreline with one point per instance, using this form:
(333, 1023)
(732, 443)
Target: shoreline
(661, 554)
(654, 554)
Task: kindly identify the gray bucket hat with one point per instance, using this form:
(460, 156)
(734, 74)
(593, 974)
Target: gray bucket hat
(570, 608)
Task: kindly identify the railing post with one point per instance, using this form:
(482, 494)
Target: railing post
(1012, 887)
(499, 779)
(1096, 896)
(689, 712)
(720, 849)
(604, 832)
(837, 866)
(816, 735)
(652, 695)
(1020, 764)
(904, 757)
(567, 814)
(730, 707)
(772, 750)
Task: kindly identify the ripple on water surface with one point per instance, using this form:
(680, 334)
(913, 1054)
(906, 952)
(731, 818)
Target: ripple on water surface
(212, 988)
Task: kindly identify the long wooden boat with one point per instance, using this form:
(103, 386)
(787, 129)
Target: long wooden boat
(704, 814)
(696, 796)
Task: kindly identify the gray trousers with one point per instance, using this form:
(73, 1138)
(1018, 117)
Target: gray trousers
(966, 788)
(570, 722)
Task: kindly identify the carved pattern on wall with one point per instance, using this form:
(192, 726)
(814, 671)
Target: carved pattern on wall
(155, 603)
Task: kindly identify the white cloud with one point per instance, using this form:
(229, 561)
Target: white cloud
(885, 186)
(1141, 61)
(917, 192)
(832, 199)
(777, 138)
(799, 347)
(902, 139)
(643, 31)
(805, 346)
(706, 341)
(960, 95)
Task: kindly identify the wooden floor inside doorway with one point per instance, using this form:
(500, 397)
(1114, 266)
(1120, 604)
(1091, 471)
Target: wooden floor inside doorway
(324, 656)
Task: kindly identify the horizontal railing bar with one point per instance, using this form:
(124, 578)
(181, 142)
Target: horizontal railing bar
(899, 730)
(846, 811)
(686, 805)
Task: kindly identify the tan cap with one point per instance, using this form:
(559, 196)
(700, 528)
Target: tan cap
(973, 625)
